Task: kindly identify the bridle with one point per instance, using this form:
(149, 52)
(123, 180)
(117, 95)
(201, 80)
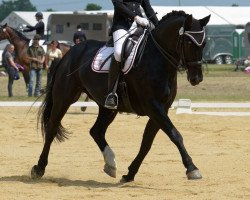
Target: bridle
(180, 45)
(181, 63)
(4, 30)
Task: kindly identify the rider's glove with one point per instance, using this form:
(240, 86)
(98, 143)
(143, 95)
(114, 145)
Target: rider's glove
(142, 21)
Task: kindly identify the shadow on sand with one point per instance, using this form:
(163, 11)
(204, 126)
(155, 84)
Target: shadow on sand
(64, 182)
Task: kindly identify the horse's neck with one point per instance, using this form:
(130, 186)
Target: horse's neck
(16, 40)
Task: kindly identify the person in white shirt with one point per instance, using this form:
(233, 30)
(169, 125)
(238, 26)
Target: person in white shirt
(53, 56)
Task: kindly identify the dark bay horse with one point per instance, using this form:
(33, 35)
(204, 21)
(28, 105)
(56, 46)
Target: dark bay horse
(176, 42)
(21, 43)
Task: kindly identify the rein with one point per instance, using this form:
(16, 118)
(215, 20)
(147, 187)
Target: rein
(165, 54)
(182, 61)
(7, 34)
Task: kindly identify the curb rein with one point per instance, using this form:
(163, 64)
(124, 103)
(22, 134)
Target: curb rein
(181, 64)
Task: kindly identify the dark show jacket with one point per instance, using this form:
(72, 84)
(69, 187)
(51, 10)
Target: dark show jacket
(126, 10)
(79, 35)
(39, 28)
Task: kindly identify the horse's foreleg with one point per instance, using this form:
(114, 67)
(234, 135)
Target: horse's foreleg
(159, 115)
(192, 171)
(147, 141)
(104, 119)
(26, 77)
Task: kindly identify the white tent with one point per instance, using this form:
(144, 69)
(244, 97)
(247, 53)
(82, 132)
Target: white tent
(219, 15)
(15, 18)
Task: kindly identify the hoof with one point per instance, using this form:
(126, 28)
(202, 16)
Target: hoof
(36, 173)
(126, 179)
(193, 175)
(111, 171)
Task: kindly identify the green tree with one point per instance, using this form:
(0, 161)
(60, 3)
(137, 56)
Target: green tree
(235, 5)
(16, 5)
(50, 10)
(93, 6)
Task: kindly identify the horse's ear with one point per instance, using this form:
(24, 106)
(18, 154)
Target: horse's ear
(205, 20)
(4, 25)
(188, 22)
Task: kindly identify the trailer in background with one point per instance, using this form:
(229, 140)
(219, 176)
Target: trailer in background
(247, 39)
(219, 45)
(63, 26)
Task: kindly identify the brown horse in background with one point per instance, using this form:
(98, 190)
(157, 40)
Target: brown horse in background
(21, 43)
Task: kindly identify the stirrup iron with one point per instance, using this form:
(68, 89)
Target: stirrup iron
(111, 97)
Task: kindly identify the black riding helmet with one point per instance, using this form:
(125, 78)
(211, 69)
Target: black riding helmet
(39, 15)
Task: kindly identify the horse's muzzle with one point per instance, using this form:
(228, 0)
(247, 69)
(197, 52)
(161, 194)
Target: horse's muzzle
(195, 80)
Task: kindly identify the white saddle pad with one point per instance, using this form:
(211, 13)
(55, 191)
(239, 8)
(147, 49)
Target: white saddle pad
(103, 54)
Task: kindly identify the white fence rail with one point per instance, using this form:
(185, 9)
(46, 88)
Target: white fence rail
(38, 103)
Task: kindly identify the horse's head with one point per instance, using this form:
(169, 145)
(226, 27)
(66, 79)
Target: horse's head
(181, 39)
(190, 47)
(3, 32)
(13, 35)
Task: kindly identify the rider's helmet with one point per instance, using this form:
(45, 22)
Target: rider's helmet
(39, 15)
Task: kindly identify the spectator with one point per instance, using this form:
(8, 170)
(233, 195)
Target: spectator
(10, 66)
(39, 27)
(37, 56)
(53, 56)
(247, 61)
(79, 35)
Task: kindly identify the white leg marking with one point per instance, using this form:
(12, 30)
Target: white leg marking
(109, 157)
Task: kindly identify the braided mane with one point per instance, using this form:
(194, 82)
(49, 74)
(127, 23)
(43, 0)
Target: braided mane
(174, 13)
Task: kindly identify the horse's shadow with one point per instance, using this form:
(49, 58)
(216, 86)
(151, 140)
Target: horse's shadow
(64, 182)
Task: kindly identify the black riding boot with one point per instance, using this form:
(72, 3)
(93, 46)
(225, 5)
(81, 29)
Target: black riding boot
(114, 71)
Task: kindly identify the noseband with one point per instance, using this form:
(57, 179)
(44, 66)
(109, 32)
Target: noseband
(180, 45)
(181, 64)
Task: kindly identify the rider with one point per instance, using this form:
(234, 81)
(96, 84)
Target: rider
(39, 27)
(79, 35)
(125, 13)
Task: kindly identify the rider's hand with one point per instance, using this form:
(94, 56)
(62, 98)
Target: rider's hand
(142, 21)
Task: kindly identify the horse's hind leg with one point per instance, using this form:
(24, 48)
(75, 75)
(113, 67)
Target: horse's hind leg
(150, 132)
(60, 105)
(104, 119)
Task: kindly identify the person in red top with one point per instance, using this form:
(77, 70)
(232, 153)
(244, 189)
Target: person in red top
(127, 14)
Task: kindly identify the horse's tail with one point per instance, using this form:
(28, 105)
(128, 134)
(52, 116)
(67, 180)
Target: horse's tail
(45, 109)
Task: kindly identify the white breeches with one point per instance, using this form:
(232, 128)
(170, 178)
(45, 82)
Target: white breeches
(119, 37)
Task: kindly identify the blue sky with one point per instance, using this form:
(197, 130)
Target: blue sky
(71, 5)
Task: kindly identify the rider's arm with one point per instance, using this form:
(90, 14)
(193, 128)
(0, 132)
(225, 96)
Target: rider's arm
(29, 28)
(150, 13)
(122, 9)
(11, 61)
(32, 28)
